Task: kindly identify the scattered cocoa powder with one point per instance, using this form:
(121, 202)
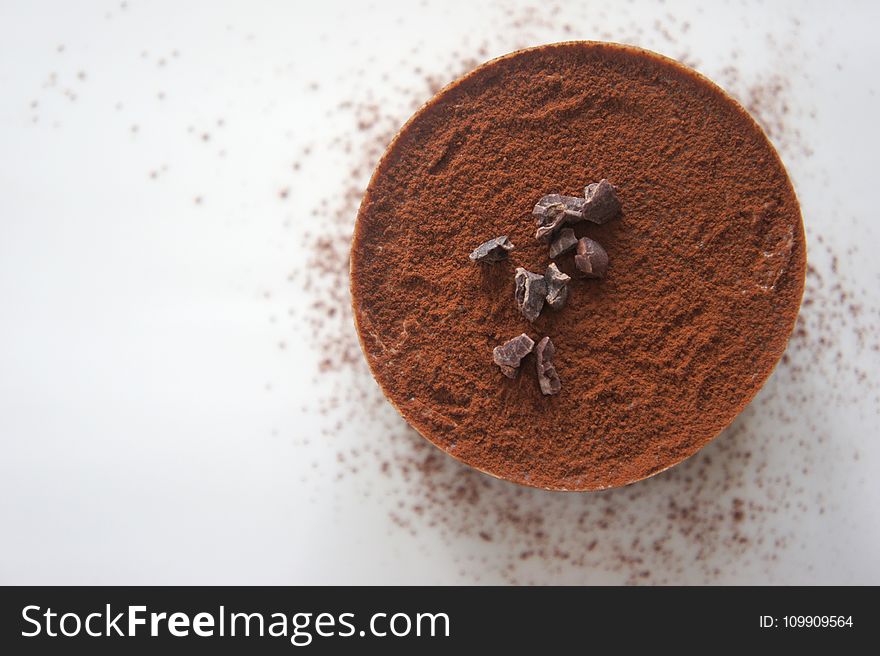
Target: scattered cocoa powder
(683, 525)
(733, 512)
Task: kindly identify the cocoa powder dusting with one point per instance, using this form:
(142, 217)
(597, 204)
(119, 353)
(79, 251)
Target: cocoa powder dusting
(703, 286)
(702, 521)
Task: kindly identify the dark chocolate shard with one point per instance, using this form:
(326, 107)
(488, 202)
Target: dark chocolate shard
(493, 250)
(550, 205)
(555, 210)
(548, 379)
(563, 243)
(600, 204)
(545, 233)
(557, 287)
(530, 291)
(508, 355)
(554, 220)
(591, 258)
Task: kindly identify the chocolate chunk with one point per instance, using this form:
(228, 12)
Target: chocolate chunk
(554, 222)
(531, 289)
(550, 205)
(508, 355)
(553, 211)
(493, 250)
(591, 258)
(563, 243)
(545, 233)
(557, 287)
(548, 379)
(601, 204)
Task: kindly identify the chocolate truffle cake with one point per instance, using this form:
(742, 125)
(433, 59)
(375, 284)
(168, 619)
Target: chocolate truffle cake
(696, 275)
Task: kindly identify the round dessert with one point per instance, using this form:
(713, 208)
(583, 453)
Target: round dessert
(705, 265)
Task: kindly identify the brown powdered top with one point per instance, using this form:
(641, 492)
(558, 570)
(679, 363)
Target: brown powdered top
(705, 277)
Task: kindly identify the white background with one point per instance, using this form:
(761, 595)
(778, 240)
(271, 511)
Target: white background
(162, 421)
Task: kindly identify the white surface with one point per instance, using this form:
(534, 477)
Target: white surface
(152, 429)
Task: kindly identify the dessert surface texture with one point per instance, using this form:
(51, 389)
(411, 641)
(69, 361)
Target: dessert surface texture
(705, 265)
